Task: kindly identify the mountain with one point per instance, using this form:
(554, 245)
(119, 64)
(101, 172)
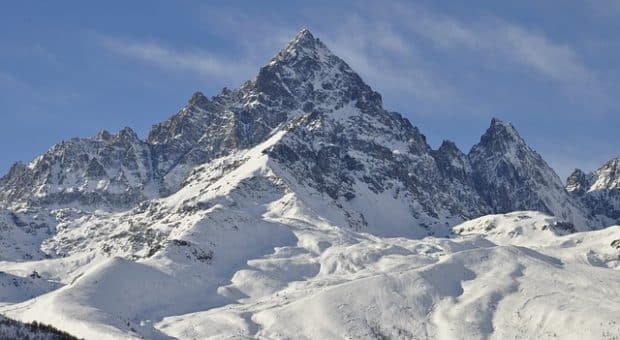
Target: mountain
(104, 171)
(338, 139)
(598, 191)
(305, 76)
(297, 192)
(511, 176)
(356, 152)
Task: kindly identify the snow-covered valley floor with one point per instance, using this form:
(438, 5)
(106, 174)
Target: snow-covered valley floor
(469, 287)
(519, 281)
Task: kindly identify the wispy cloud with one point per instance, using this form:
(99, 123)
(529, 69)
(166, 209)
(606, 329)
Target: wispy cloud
(557, 61)
(605, 9)
(198, 61)
(8, 80)
(381, 43)
(496, 38)
(387, 59)
(483, 43)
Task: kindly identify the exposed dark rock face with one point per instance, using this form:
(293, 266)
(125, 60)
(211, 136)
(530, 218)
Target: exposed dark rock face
(578, 182)
(349, 139)
(105, 171)
(510, 176)
(303, 77)
(598, 191)
(452, 162)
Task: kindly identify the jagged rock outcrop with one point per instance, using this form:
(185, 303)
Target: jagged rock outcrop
(599, 191)
(111, 171)
(510, 176)
(578, 182)
(346, 139)
(304, 77)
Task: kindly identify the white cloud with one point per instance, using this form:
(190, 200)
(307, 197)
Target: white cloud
(556, 61)
(496, 39)
(8, 80)
(385, 59)
(197, 61)
(381, 43)
(603, 9)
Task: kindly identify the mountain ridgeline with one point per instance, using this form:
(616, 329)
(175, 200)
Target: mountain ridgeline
(598, 191)
(336, 140)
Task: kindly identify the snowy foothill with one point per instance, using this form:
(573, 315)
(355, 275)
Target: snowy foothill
(266, 258)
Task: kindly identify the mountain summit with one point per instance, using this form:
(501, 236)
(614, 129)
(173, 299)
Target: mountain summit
(500, 137)
(510, 176)
(599, 191)
(307, 76)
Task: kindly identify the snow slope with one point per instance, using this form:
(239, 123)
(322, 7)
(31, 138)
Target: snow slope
(245, 251)
(462, 288)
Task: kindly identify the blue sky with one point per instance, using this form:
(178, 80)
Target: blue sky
(552, 68)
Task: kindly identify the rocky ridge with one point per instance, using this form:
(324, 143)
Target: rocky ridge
(336, 139)
(599, 191)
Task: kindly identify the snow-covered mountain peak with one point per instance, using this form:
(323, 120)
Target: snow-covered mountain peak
(607, 177)
(512, 176)
(599, 191)
(502, 144)
(198, 98)
(306, 76)
(107, 171)
(449, 147)
(303, 45)
(452, 162)
(501, 136)
(577, 182)
(127, 133)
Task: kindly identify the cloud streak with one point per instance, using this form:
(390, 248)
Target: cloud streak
(201, 62)
(497, 38)
(381, 43)
(8, 80)
(386, 59)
